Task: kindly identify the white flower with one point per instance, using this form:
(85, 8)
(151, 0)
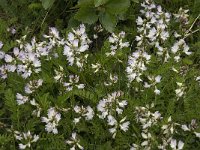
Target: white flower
(116, 43)
(52, 120)
(139, 21)
(156, 91)
(90, 113)
(73, 82)
(111, 120)
(105, 106)
(157, 79)
(176, 146)
(197, 134)
(21, 99)
(54, 32)
(33, 85)
(185, 128)
(22, 146)
(2, 54)
(8, 58)
(26, 138)
(96, 66)
(74, 141)
(76, 44)
(1, 44)
(70, 36)
(124, 126)
(87, 112)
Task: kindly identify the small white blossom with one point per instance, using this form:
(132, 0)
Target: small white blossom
(32, 86)
(74, 142)
(75, 46)
(117, 43)
(21, 99)
(86, 112)
(73, 83)
(26, 139)
(8, 58)
(1, 44)
(176, 146)
(2, 54)
(52, 120)
(106, 105)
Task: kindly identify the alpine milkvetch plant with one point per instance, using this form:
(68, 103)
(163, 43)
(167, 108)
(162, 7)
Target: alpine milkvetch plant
(73, 83)
(122, 125)
(117, 43)
(76, 44)
(26, 139)
(111, 104)
(32, 86)
(176, 145)
(147, 119)
(52, 120)
(74, 142)
(153, 82)
(21, 99)
(86, 112)
(137, 65)
(153, 28)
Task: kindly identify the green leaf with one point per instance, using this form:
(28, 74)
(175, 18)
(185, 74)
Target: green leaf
(84, 3)
(10, 101)
(3, 3)
(108, 21)
(187, 61)
(98, 3)
(86, 15)
(47, 3)
(44, 101)
(117, 6)
(105, 146)
(136, 1)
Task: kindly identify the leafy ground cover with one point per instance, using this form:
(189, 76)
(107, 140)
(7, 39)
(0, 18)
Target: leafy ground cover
(100, 74)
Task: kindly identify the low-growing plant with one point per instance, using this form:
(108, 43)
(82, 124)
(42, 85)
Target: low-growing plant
(58, 91)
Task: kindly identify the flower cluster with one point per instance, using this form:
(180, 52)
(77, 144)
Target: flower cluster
(154, 81)
(122, 125)
(109, 107)
(117, 43)
(52, 120)
(86, 112)
(25, 59)
(112, 80)
(54, 39)
(73, 83)
(98, 87)
(191, 127)
(167, 131)
(180, 91)
(179, 48)
(111, 104)
(21, 99)
(26, 139)
(38, 109)
(32, 86)
(74, 141)
(182, 16)
(59, 74)
(152, 28)
(76, 44)
(147, 119)
(137, 65)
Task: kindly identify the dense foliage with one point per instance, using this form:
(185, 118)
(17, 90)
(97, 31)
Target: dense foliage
(99, 74)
